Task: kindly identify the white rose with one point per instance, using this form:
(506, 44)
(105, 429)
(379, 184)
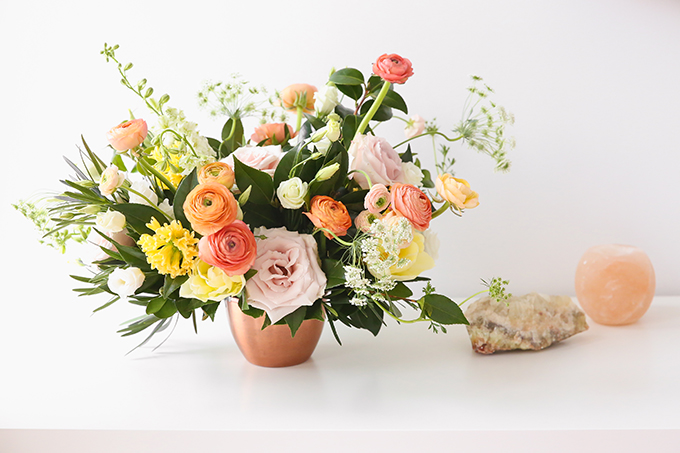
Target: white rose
(292, 193)
(288, 273)
(110, 221)
(125, 282)
(431, 243)
(326, 99)
(411, 173)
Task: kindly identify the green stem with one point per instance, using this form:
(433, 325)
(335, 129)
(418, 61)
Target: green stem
(374, 108)
(368, 178)
(345, 243)
(233, 129)
(298, 122)
(428, 133)
(180, 137)
(406, 321)
(148, 167)
(441, 210)
(475, 294)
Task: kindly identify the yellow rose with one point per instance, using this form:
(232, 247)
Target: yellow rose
(207, 282)
(456, 191)
(419, 261)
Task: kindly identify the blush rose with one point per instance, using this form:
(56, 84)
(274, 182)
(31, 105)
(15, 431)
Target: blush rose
(374, 156)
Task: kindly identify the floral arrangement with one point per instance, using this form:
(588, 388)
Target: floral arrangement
(322, 219)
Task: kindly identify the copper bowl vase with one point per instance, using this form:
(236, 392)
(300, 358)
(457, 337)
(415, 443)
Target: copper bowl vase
(273, 346)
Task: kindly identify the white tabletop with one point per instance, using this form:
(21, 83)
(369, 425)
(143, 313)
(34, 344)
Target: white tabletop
(77, 378)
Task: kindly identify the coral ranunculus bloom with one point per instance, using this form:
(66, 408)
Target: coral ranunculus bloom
(393, 68)
(410, 202)
(210, 207)
(298, 94)
(127, 135)
(327, 213)
(273, 133)
(233, 248)
(218, 172)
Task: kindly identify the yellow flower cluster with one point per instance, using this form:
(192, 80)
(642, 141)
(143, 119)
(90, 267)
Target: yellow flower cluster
(167, 170)
(171, 250)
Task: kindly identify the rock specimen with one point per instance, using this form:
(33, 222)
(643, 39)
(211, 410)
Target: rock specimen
(533, 321)
(615, 283)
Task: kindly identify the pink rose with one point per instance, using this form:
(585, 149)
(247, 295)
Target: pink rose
(127, 135)
(377, 199)
(415, 126)
(264, 158)
(393, 68)
(377, 158)
(232, 249)
(288, 273)
(410, 202)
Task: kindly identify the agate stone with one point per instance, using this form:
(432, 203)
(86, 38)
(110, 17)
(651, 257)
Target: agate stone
(533, 321)
(615, 283)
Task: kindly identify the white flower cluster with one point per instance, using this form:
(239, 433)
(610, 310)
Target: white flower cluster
(180, 135)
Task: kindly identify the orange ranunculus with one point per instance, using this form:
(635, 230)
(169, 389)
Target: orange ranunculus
(233, 248)
(210, 207)
(298, 94)
(410, 202)
(217, 172)
(393, 68)
(127, 135)
(327, 213)
(273, 133)
(456, 191)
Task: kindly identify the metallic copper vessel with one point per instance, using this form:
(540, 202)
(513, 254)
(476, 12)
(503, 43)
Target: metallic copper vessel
(273, 346)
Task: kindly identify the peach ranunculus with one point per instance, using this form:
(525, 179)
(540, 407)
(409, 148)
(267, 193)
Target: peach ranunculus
(232, 248)
(298, 94)
(410, 202)
(414, 126)
(210, 207)
(364, 219)
(111, 180)
(288, 273)
(374, 156)
(127, 135)
(272, 134)
(377, 199)
(393, 68)
(456, 191)
(219, 172)
(263, 158)
(325, 212)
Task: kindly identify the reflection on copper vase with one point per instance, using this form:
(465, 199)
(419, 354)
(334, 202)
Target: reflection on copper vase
(273, 346)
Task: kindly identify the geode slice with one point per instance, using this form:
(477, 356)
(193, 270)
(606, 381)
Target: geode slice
(533, 321)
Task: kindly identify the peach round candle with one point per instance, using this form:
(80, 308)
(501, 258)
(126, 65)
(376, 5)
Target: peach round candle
(615, 283)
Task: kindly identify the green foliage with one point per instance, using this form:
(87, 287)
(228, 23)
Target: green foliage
(262, 184)
(347, 76)
(185, 186)
(442, 310)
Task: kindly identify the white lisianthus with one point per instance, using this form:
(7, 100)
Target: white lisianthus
(125, 282)
(327, 172)
(112, 179)
(431, 243)
(333, 127)
(144, 189)
(167, 209)
(326, 99)
(411, 173)
(110, 221)
(323, 145)
(292, 193)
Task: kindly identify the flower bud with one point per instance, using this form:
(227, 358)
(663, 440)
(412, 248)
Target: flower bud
(327, 172)
(333, 132)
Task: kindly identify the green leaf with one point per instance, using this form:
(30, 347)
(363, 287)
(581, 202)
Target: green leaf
(395, 101)
(214, 144)
(331, 184)
(407, 156)
(118, 162)
(161, 308)
(186, 307)
(315, 311)
(263, 185)
(400, 291)
(185, 186)
(314, 121)
(131, 255)
(347, 76)
(209, 311)
(283, 168)
(335, 273)
(384, 113)
(170, 285)
(154, 305)
(365, 318)
(443, 310)
(138, 215)
(261, 215)
(427, 179)
(236, 141)
(294, 320)
(349, 128)
(353, 91)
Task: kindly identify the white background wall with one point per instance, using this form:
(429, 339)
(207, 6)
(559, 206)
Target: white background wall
(594, 85)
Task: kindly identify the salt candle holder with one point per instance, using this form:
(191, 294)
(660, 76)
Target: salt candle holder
(615, 283)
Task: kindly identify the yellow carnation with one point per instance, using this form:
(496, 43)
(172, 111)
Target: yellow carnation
(171, 250)
(208, 282)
